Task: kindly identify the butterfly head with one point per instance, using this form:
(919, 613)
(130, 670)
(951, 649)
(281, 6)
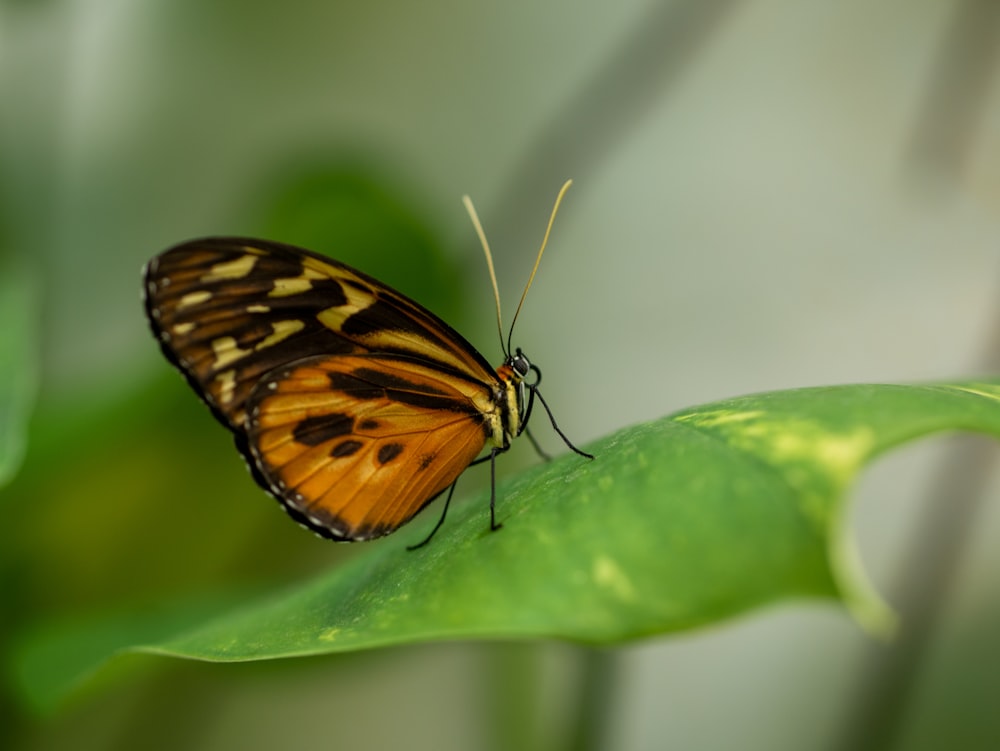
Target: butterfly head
(514, 374)
(519, 363)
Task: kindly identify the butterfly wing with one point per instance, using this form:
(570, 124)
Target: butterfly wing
(227, 311)
(355, 445)
(353, 405)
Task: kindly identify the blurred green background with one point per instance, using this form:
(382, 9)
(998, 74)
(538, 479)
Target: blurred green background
(767, 195)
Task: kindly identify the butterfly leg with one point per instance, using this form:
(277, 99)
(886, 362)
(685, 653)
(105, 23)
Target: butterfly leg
(491, 457)
(444, 512)
(527, 416)
(535, 392)
(493, 485)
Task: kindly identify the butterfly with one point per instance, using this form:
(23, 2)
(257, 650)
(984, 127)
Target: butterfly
(353, 405)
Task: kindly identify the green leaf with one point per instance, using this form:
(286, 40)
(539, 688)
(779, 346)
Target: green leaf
(679, 522)
(18, 363)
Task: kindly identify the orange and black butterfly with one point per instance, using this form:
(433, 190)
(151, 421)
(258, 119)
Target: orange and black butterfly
(353, 405)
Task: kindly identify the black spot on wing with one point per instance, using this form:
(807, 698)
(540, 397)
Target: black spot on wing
(388, 452)
(345, 448)
(313, 431)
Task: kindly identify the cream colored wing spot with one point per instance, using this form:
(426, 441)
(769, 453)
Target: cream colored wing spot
(258, 309)
(226, 352)
(236, 269)
(316, 269)
(282, 330)
(226, 383)
(295, 285)
(194, 298)
(184, 328)
(357, 300)
(291, 286)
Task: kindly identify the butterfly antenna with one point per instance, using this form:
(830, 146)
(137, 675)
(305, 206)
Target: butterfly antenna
(489, 264)
(538, 260)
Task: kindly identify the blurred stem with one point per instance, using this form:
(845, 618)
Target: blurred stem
(170, 709)
(527, 710)
(958, 90)
(595, 700)
(513, 705)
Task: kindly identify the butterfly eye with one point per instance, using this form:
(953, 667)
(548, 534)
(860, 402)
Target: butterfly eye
(520, 363)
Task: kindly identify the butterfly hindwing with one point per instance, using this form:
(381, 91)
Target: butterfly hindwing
(355, 445)
(227, 311)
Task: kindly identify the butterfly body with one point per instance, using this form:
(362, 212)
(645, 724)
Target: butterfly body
(353, 405)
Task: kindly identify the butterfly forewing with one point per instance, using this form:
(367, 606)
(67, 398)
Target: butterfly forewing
(356, 445)
(229, 310)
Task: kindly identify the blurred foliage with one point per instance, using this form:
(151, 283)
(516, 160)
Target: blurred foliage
(18, 361)
(956, 708)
